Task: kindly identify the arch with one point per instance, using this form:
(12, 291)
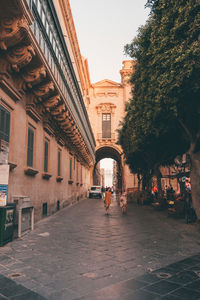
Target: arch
(114, 153)
(108, 152)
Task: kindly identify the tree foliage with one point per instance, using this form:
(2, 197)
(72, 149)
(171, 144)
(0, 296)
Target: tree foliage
(163, 117)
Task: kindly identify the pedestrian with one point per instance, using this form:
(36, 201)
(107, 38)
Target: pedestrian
(165, 190)
(103, 192)
(107, 199)
(123, 203)
(118, 199)
(155, 189)
(187, 185)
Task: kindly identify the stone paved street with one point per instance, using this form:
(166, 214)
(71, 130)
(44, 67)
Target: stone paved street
(80, 253)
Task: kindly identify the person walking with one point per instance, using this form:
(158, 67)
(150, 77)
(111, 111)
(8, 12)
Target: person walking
(123, 202)
(107, 200)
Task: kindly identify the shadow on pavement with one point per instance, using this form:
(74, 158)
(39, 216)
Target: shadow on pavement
(9, 289)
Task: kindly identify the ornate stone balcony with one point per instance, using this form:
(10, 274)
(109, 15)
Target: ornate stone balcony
(101, 138)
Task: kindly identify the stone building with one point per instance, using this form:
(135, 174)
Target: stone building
(106, 109)
(43, 88)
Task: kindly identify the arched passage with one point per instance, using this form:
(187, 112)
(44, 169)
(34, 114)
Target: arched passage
(110, 152)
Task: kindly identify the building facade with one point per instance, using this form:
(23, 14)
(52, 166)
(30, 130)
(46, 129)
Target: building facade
(43, 92)
(106, 111)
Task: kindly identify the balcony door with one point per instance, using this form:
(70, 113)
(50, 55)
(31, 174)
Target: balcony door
(106, 126)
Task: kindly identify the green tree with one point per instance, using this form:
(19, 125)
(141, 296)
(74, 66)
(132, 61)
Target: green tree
(164, 114)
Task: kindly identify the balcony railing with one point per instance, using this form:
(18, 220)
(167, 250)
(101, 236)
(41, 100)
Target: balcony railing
(112, 137)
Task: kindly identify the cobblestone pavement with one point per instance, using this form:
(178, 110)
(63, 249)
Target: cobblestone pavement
(80, 253)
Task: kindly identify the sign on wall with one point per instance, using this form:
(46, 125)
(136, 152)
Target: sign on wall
(4, 152)
(3, 194)
(4, 175)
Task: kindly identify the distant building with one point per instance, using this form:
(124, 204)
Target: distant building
(106, 110)
(108, 177)
(97, 175)
(102, 182)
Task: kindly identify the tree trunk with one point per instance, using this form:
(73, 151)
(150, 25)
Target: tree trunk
(139, 181)
(144, 182)
(195, 181)
(158, 177)
(182, 186)
(146, 185)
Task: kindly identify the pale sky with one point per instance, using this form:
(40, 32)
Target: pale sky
(103, 28)
(107, 163)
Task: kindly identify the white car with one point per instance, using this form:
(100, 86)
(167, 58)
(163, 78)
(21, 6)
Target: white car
(95, 191)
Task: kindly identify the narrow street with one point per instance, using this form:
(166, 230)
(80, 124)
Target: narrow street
(80, 253)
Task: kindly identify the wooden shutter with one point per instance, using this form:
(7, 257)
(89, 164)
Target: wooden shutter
(30, 147)
(46, 155)
(77, 171)
(70, 169)
(59, 159)
(4, 124)
(106, 126)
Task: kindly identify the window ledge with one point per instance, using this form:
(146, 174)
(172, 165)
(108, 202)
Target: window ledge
(70, 181)
(12, 165)
(31, 111)
(46, 176)
(30, 171)
(59, 178)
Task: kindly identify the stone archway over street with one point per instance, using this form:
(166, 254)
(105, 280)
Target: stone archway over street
(116, 154)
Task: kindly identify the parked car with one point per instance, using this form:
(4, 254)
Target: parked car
(95, 192)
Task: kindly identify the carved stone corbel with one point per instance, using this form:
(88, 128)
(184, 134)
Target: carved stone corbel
(4, 67)
(33, 77)
(58, 110)
(12, 31)
(75, 138)
(27, 79)
(19, 56)
(61, 117)
(68, 127)
(43, 91)
(52, 102)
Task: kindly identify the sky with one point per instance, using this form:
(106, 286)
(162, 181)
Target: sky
(107, 163)
(103, 28)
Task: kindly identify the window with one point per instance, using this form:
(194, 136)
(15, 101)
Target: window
(77, 177)
(53, 44)
(81, 174)
(4, 124)
(56, 50)
(59, 162)
(44, 209)
(50, 36)
(39, 37)
(47, 27)
(30, 147)
(39, 6)
(34, 28)
(43, 16)
(106, 126)
(70, 168)
(46, 155)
